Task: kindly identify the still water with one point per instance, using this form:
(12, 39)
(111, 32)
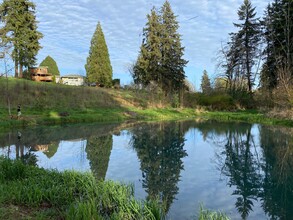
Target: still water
(245, 170)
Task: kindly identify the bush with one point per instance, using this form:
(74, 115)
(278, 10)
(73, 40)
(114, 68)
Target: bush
(217, 101)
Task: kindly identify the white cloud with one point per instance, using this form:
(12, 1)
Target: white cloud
(68, 27)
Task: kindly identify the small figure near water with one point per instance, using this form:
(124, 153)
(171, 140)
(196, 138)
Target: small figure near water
(18, 112)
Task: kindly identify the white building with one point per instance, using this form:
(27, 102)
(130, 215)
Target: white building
(72, 80)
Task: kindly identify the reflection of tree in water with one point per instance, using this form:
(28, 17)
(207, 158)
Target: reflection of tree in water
(98, 151)
(267, 177)
(277, 144)
(160, 150)
(242, 169)
(236, 160)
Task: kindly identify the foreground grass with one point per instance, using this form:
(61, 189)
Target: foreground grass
(205, 214)
(28, 192)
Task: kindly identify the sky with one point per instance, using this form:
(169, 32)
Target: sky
(68, 27)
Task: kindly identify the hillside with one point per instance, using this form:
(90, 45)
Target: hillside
(48, 103)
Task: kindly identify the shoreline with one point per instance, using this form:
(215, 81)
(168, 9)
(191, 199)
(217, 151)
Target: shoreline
(107, 115)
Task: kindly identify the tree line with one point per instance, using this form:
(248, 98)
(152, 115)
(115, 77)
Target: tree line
(261, 51)
(256, 59)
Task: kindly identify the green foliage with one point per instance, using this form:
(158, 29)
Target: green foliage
(278, 34)
(216, 101)
(116, 83)
(205, 214)
(52, 66)
(242, 54)
(20, 29)
(161, 55)
(98, 66)
(220, 85)
(98, 151)
(74, 195)
(205, 83)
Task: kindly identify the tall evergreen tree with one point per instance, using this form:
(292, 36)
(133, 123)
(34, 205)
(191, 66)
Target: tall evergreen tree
(206, 83)
(51, 64)
(247, 40)
(20, 28)
(98, 66)
(161, 54)
(278, 26)
(173, 64)
(148, 64)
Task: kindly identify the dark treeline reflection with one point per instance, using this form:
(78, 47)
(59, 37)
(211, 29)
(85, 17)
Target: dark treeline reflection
(258, 165)
(98, 151)
(160, 150)
(277, 144)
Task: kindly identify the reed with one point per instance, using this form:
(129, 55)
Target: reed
(205, 214)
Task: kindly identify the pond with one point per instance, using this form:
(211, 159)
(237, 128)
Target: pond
(245, 170)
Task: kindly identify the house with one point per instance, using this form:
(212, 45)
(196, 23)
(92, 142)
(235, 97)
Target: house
(40, 74)
(72, 80)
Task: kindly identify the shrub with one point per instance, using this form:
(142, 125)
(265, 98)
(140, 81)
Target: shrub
(217, 101)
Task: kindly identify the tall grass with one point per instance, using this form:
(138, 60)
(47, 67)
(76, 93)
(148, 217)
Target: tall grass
(205, 214)
(69, 194)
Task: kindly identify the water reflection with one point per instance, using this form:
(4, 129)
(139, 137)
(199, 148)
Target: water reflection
(98, 151)
(255, 162)
(277, 144)
(160, 150)
(259, 172)
(241, 167)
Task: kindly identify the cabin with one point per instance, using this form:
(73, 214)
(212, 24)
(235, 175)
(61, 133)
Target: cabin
(73, 80)
(40, 74)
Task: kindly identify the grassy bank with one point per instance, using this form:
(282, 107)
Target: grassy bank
(247, 116)
(50, 104)
(28, 192)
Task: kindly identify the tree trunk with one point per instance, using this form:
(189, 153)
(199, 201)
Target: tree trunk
(20, 71)
(16, 68)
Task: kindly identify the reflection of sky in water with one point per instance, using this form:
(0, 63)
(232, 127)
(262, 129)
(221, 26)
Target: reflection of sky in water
(70, 155)
(124, 164)
(200, 181)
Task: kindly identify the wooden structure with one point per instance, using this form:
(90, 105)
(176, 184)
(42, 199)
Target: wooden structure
(40, 74)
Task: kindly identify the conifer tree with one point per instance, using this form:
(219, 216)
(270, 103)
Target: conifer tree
(148, 64)
(206, 83)
(51, 64)
(161, 54)
(98, 66)
(278, 25)
(247, 40)
(20, 28)
(173, 64)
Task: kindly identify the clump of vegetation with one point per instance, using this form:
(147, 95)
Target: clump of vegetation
(68, 195)
(52, 65)
(205, 214)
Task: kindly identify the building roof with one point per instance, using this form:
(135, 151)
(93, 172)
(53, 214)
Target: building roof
(72, 76)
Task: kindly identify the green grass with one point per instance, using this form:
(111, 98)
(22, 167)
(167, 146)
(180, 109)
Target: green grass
(28, 192)
(251, 116)
(205, 214)
(42, 104)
